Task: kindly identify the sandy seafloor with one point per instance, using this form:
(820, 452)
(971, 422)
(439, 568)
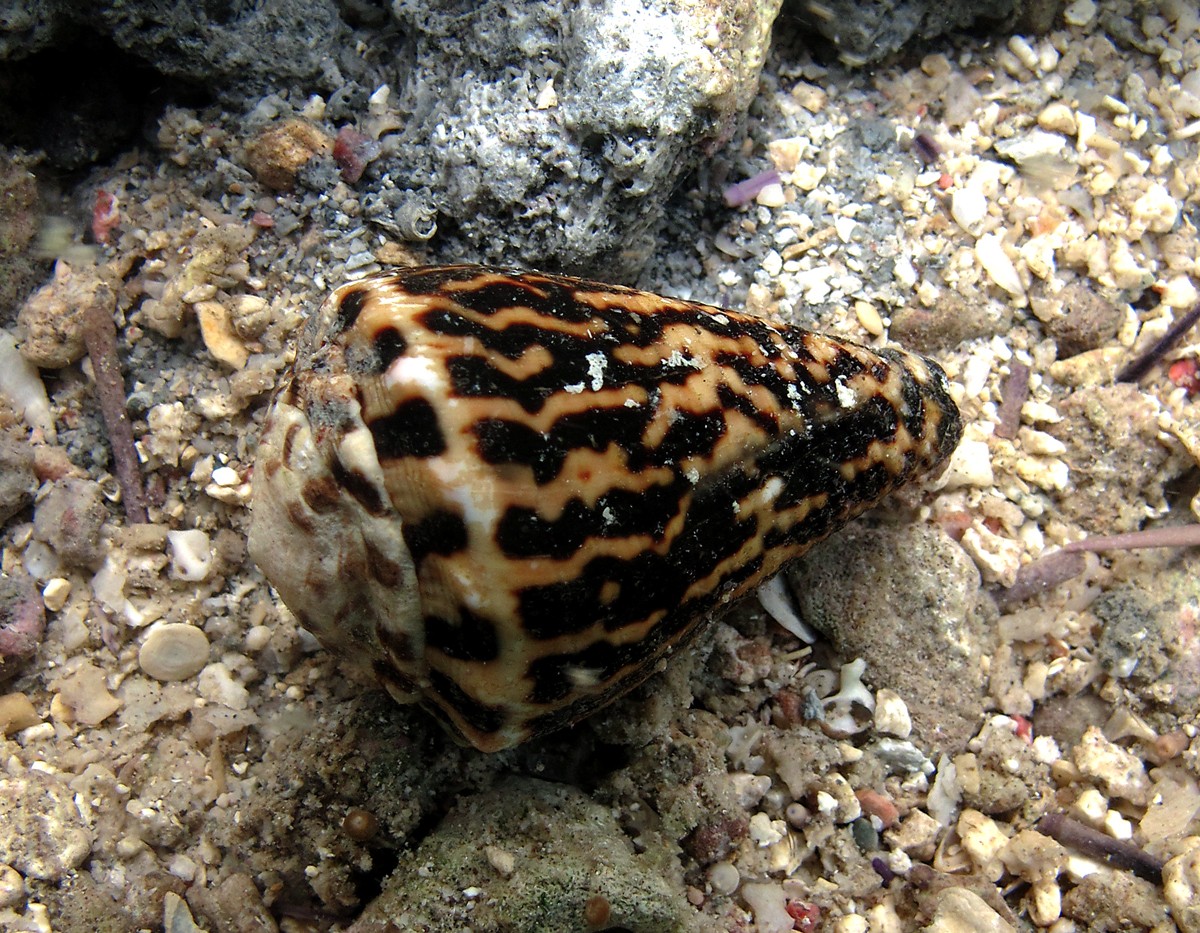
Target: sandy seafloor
(226, 777)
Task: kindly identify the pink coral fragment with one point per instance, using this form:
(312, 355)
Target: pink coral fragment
(106, 214)
(746, 191)
(352, 151)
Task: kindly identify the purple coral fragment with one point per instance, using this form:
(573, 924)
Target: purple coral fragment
(746, 191)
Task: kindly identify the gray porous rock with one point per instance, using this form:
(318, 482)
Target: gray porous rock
(79, 80)
(1149, 642)
(28, 26)
(20, 215)
(554, 133)
(863, 31)
(253, 43)
(18, 482)
(906, 600)
(210, 44)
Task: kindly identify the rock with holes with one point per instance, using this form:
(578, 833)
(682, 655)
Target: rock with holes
(510, 496)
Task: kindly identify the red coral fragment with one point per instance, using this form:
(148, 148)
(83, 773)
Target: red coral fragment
(106, 214)
(807, 916)
(352, 151)
(262, 220)
(1186, 374)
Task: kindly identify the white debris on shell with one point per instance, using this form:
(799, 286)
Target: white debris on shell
(56, 593)
(839, 708)
(945, 793)
(766, 832)
(503, 861)
(1156, 211)
(1031, 146)
(1048, 473)
(1040, 443)
(983, 840)
(970, 465)
(723, 878)
(1180, 293)
(775, 598)
(961, 910)
(22, 385)
(12, 887)
(84, 695)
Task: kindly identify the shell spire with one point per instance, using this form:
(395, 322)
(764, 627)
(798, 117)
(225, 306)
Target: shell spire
(509, 495)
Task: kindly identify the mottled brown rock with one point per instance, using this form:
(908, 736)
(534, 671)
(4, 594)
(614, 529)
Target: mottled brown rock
(234, 905)
(52, 318)
(22, 620)
(1118, 901)
(277, 154)
(954, 320)
(1085, 321)
(70, 520)
(1149, 636)
(716, 838)
(567, 847)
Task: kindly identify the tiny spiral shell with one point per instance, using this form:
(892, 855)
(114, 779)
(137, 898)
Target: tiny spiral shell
(510, 495)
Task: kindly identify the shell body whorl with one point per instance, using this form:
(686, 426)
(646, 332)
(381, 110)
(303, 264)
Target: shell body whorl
(510, 495)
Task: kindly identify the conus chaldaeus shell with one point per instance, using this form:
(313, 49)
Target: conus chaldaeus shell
(509, 496)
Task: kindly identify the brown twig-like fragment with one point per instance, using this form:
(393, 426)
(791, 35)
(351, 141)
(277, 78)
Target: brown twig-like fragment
(1093, 843)
(1139, 367)
(1014, 390)
(1169, 536)
(100, 338)
(1041, 575)
(927, 148)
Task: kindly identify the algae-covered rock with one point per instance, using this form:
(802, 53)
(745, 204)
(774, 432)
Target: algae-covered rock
(530, 856)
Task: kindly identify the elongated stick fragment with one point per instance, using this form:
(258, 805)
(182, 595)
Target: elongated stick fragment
(1041, 575)
(1014, 391)
(1093, 843)
(100, 338)
(1170, 536)
(1144, 363)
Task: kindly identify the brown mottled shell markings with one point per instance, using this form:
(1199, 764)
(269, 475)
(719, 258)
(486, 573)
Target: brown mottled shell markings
(509, 495)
